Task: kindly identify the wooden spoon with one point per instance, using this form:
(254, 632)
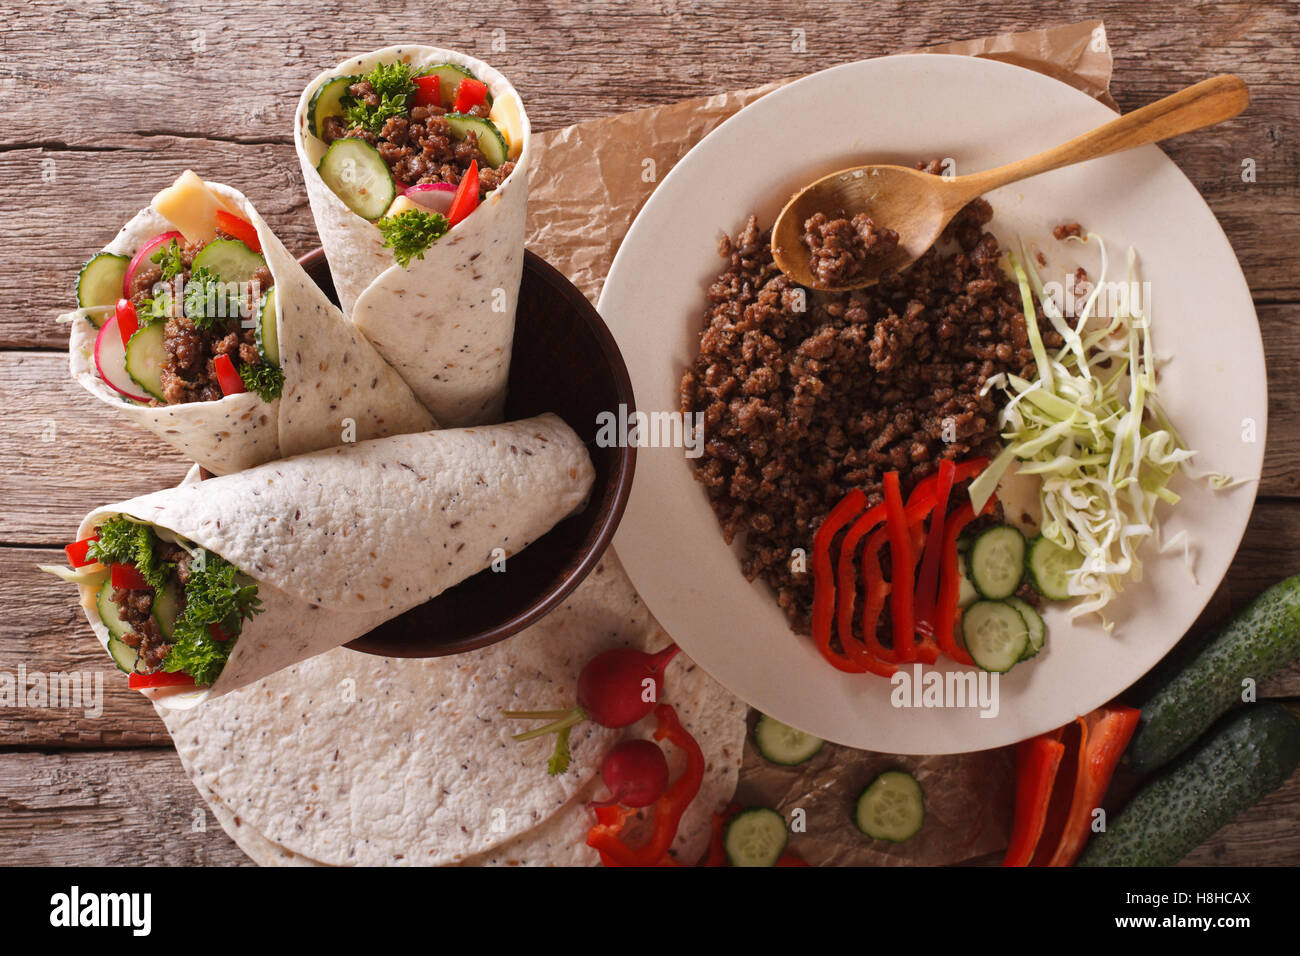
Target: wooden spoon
(919, 205)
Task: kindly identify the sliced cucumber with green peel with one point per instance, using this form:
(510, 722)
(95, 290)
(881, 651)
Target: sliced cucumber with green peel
(358, 175)
(1034, 623)
(449, 76)
(966, 593)
(490, 141)
(268, 332)
(325, 103)
(1049, 568)
(1259, 641)
(122, 655)
(145, 357)
(99, 284)
(229, 260)
(892, 808)
(755, 837)
(167, 608)
(997, 561)
(782, 744)
(995, 634)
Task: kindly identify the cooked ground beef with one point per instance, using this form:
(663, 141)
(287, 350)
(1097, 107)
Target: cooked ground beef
(807, 395)
(419, 147)
(841, 249)
(188, 374)
(1067, 229)
(136, 608)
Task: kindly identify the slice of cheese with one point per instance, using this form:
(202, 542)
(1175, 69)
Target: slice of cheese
(507, 116)
(402, 204)
(190, 206)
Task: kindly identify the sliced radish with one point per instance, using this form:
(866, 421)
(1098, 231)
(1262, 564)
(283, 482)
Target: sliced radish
(435, 197)
(141, 257)
(110, 359)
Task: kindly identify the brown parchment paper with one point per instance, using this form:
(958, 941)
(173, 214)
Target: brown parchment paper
(577, 220)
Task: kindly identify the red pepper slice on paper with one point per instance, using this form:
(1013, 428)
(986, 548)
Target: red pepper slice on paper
(668, 809)
(227, 377)
(1037, 761)
(469, 94)
(125, 577)
(159, 679)
(428, 91)
(823, 609)
(76, 552)
(240, 229)
(466, 199)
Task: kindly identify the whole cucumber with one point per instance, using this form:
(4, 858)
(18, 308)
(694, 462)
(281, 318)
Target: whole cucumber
(1247, 757)
(1258, 641)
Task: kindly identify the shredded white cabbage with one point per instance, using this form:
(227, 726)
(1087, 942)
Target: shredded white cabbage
(1092, 429)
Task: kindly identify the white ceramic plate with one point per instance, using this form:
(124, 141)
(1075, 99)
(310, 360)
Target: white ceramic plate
(981, 114)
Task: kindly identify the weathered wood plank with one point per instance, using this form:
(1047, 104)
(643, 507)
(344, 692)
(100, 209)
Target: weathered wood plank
(50, 635)
(107, 808)
(159, 107)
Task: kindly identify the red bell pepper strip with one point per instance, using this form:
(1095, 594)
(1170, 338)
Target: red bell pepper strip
(127, 321)
(865, 655)
(717, 853)
(823, 609)
(1037, 761)
(159, 679)
(946, 612)
(902, 579)
(466, 199)
(927, 585)
(469, 94)
(668, 809)
(218, 633)
(76, 552)
(877, 590)
(239, 229)
(227, 377)
(126, 577)
(428, 91)
(1106, 732)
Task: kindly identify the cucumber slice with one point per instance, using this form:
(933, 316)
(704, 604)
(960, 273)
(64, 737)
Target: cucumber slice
(755, 837)
(449, 76)
(123, 656)
(359, 176)
(326, 103)
(229, 260)
(966, 593)
(167, 608)
(892, 808)
(490, 141)
(782, 744)
(997, 561)
(268, 332)
(1049, 566)
(108, 612)
(996, 635)
(99, 284)
(145, 357)
(1034, 622)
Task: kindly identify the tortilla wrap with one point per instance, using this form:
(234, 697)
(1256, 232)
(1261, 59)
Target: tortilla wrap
(343, 539)
(331, 374)
(447, 322)
(414, 764)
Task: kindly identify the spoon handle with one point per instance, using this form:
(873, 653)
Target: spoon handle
(1204, 104)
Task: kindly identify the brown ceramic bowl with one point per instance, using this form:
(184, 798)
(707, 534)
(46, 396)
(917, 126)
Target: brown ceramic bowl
(565, 361)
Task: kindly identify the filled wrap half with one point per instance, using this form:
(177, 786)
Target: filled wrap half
(416, 163)
(203, 588)
(198, 325)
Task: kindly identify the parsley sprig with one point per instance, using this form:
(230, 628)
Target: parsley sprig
(409, 234)
(208, 300)
(263, 378)
(123, 541)
(394, 85)
(216, 593)
(170, 259)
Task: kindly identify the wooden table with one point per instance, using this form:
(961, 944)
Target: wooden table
(106, 101)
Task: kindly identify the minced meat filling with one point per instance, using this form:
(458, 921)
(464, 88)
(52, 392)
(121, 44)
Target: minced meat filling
(807, 395)
(135, 607)
(420, 147)
(188, 374)
(841, 250)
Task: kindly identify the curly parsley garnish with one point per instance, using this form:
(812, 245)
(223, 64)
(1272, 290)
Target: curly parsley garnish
(123, 541)
(412, 232)
(208, 300)
(394, 85)
(216, 594)
(169, 258)
(264, 379)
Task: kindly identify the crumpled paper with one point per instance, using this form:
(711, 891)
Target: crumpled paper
(577, 217)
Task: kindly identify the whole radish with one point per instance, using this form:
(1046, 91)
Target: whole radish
(636, 773)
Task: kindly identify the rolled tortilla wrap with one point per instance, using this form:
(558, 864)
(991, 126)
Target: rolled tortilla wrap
(343, 539)
(446, 322)
(336, 386)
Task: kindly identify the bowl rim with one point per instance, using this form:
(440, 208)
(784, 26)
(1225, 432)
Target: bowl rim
(622, 478)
